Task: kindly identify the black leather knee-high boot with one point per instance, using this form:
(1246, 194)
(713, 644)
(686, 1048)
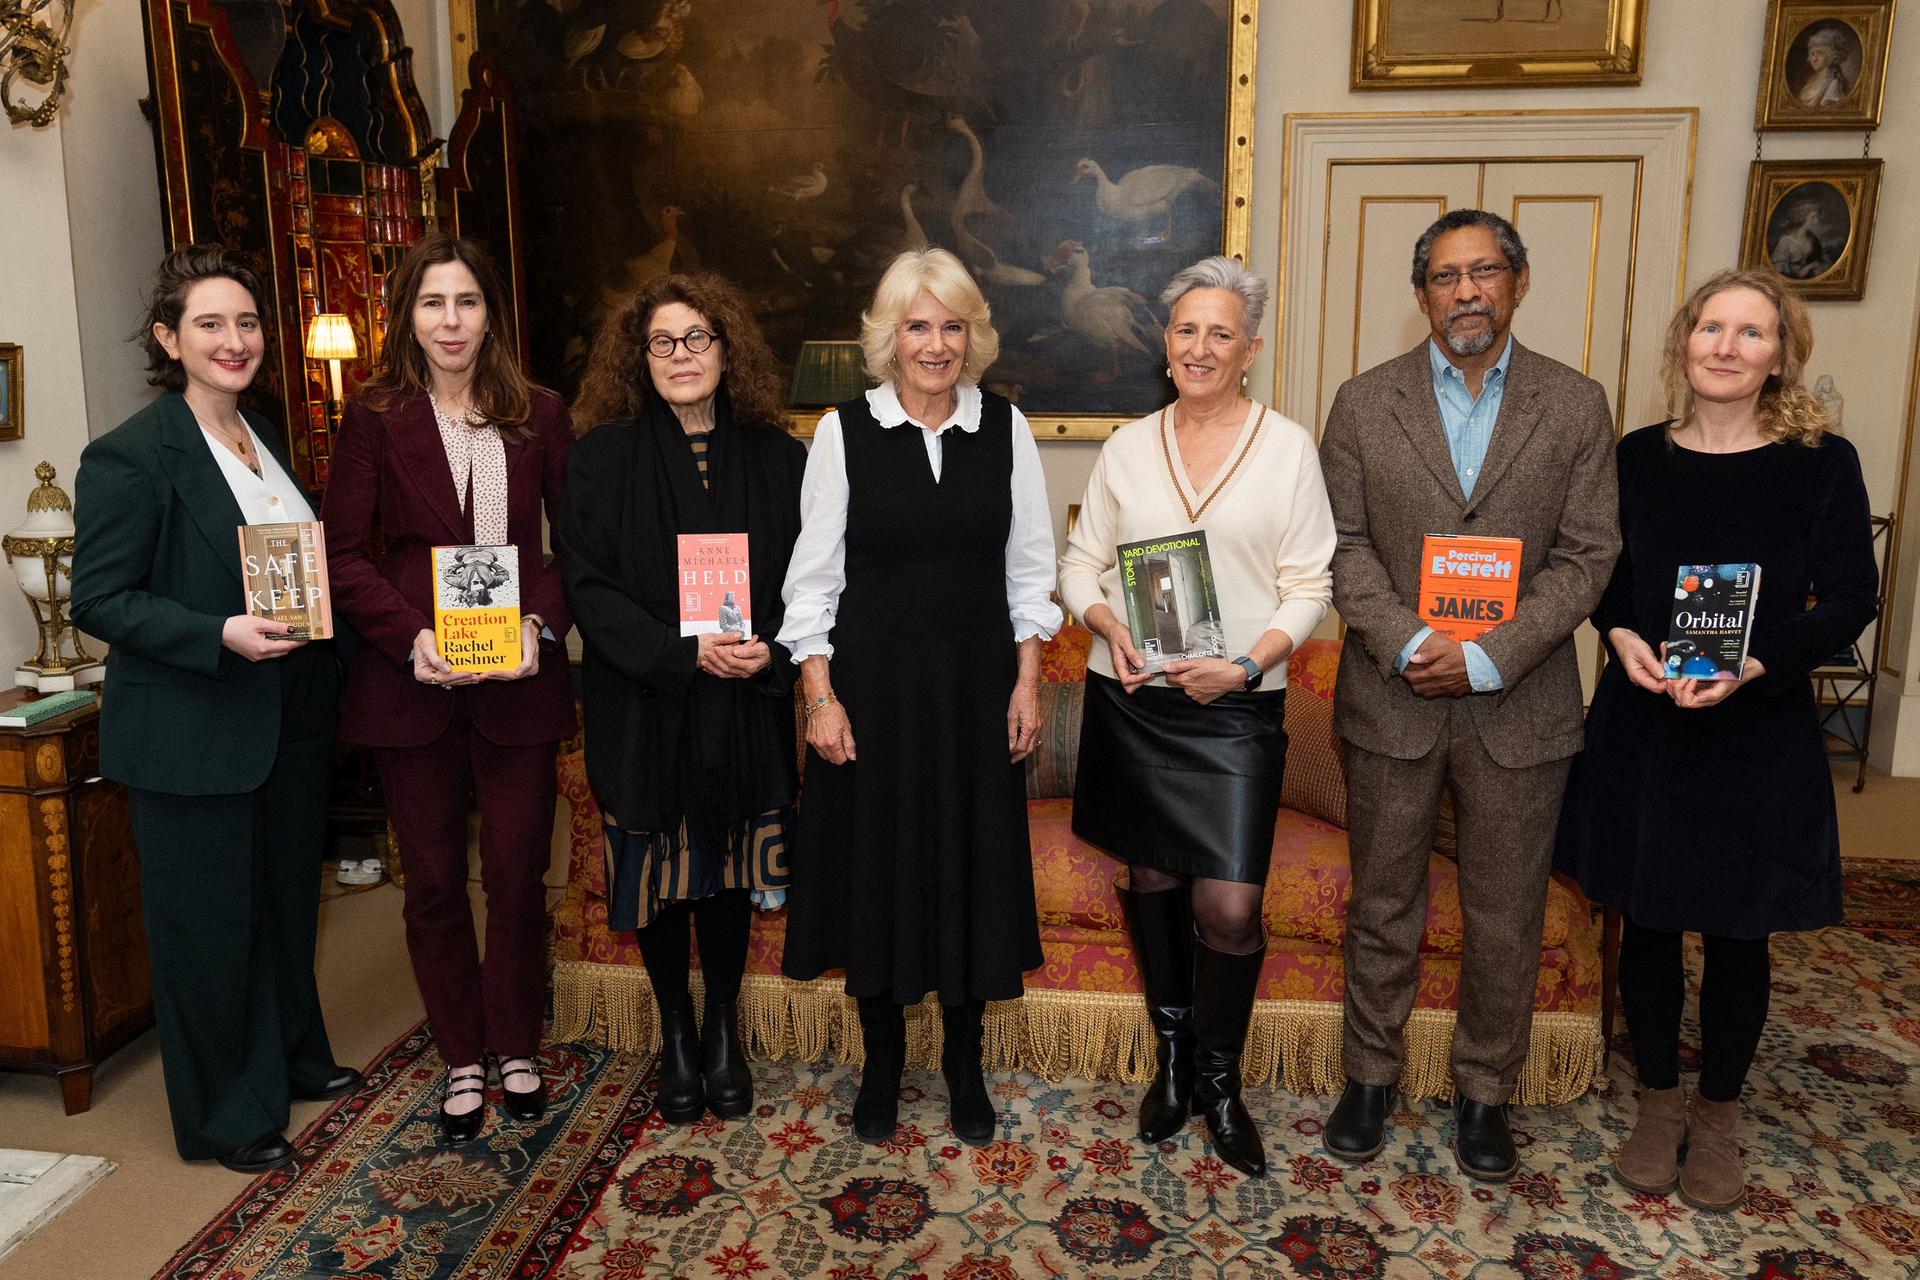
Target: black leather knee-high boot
(876, 1109)
(969, 1109)
(1223, 987)
(1162, 928)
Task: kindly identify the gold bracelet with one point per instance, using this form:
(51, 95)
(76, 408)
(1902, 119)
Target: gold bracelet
(810, 707)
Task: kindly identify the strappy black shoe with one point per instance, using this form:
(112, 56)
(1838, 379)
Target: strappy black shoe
(466, 1126)
(528, 1106)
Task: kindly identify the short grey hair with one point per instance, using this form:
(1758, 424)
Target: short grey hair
(1220, 272)
(1503, 234)
(1834, 38)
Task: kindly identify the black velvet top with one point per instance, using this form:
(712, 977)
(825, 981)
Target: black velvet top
(1721, 819)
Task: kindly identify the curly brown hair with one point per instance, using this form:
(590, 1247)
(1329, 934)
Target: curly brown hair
(618, 385)
(502, 392)
(1787, 410)
(173, 280)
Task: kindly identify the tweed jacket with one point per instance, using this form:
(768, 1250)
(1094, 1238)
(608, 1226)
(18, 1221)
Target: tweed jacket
(1548, 479)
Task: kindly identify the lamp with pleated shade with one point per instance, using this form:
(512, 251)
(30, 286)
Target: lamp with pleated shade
(330, 338)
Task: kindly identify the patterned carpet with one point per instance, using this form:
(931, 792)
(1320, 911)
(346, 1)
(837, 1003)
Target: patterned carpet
(372, 1192)
(604, 1191)
(1833, 1153)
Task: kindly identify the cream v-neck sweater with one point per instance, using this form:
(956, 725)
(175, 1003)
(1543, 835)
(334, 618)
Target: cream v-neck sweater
(1269, 529)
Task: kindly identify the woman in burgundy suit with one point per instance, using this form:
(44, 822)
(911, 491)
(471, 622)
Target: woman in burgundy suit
(449, 444)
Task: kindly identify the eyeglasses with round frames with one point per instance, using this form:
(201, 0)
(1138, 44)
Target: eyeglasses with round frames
(661, 345)
(1484, 274)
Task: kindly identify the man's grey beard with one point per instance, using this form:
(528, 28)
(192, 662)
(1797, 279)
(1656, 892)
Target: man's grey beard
(1469, 344)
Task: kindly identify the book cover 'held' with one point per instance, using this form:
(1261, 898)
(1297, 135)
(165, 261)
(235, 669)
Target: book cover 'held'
(1172, 607)
(716, 588)
(476, 607)
(1712, 621)
(285, 570)
(1468, 586)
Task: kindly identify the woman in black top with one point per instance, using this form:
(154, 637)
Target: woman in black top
(917, 602)
(1702, 804)
(689, 739)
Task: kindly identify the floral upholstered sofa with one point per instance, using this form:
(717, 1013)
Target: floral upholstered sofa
(1082, 1014)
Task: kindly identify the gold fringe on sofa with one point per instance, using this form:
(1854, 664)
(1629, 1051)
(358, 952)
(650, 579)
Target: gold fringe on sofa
(1060, 1034)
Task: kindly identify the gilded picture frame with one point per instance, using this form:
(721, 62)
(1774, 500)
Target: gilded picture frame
(1812, 220)
(1497, 44)
(13, 392)
(1825, 64)
(616, 79)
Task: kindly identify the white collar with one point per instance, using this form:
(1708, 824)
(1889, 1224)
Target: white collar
(884, 402)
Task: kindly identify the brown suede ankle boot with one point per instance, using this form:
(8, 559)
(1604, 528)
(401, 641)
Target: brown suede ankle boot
(1649, 1160)
(1713, 1177)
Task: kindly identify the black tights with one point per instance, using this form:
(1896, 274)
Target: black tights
(723, 921)
(1225, 912)
(1733, 1007)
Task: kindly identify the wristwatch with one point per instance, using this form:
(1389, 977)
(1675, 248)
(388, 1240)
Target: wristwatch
(1254, 674)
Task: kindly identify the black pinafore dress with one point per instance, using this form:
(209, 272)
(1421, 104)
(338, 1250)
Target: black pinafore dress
(912, 869)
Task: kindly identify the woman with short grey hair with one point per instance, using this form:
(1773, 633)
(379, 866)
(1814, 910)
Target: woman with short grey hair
(1182, 748)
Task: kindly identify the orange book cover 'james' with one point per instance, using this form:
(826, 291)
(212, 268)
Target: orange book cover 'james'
(1468, 586)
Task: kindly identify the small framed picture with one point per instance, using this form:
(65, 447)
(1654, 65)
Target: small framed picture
(1812, 221)
(1826, 64)
(13, 395)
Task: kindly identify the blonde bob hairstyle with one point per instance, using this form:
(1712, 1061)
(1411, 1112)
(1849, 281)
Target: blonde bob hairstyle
(1787, 410)
(942, 275)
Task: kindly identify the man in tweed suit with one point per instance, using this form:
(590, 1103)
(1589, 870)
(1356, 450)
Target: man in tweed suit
(1469, 433)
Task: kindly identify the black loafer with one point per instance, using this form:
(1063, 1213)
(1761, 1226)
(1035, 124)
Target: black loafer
(343, 1081)
(1481, 1141)
(268, 1151)
(1357, 1129)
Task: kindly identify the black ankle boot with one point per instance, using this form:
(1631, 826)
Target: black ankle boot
(683, 1094)
(1162, 928)
(723, 1064)
(1223, 987)
(876, 1109)
(969, 1109)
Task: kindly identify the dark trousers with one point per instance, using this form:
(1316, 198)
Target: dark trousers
(230, 892)
(1505, 820)
(474, 1009)
(1735, 989)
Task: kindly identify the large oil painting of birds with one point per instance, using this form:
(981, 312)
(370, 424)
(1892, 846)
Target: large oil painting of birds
(1071, 152)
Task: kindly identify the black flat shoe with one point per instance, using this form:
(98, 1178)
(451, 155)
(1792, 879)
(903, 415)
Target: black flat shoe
(1482, 1142)
(1357, 1129)
(465, 1127)
(343, 1081)
(268, 1151)
(528, 1106)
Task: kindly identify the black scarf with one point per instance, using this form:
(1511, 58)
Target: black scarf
(730, 770)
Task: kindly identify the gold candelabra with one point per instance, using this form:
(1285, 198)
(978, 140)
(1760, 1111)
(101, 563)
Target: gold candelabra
(34, 50)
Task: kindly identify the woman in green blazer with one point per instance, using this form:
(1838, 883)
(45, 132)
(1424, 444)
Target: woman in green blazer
(219, 725)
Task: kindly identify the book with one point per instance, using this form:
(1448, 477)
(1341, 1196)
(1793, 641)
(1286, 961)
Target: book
(1468, 586)
(1712, 621)
(285, 572)
(476, 607)
(46, 708)
(1172, 608)
(716, 588)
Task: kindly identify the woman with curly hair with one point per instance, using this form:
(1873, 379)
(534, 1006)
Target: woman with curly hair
(689, 739)
(1705, 804)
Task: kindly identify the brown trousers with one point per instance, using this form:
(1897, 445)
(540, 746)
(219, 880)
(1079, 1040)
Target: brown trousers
(1505, 820)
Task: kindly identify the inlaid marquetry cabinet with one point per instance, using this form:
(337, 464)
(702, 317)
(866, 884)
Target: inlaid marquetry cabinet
(73, 952)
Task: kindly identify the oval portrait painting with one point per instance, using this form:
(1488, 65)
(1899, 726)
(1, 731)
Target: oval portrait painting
(1823, 64)
(1808, 230)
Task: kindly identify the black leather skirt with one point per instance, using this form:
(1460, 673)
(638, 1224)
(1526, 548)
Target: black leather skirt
(1167, 783)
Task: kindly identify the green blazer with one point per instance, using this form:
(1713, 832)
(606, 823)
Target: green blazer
(156, 574)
